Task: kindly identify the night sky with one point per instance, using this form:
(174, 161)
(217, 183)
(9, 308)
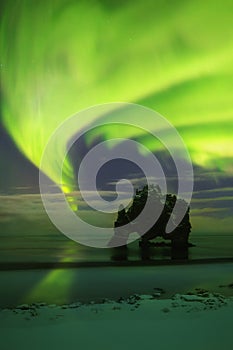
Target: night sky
(59, 57)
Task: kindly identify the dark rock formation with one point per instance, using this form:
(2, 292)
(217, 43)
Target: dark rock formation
(159, 203)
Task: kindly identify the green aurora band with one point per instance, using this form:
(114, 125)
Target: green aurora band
(61, 56)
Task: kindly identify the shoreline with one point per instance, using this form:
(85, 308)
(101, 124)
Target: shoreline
(14, 266)
(67, 285)
(197, 321)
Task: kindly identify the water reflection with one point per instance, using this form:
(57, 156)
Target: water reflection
(119, 254)
(180, 253)
(157, 251)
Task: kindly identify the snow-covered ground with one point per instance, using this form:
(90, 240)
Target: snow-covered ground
(157, 317)
(200, 321)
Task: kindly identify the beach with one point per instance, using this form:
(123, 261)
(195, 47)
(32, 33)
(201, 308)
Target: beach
(133, 307)
(198, 321)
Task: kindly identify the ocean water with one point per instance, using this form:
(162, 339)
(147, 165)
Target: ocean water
(28, 236)
(35, 247)
(67, 285)
(30, 250)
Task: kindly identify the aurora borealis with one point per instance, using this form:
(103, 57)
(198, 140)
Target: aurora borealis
(60, 57)
(175, 57)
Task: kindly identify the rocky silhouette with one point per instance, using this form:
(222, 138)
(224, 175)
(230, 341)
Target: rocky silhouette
(159, 203)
